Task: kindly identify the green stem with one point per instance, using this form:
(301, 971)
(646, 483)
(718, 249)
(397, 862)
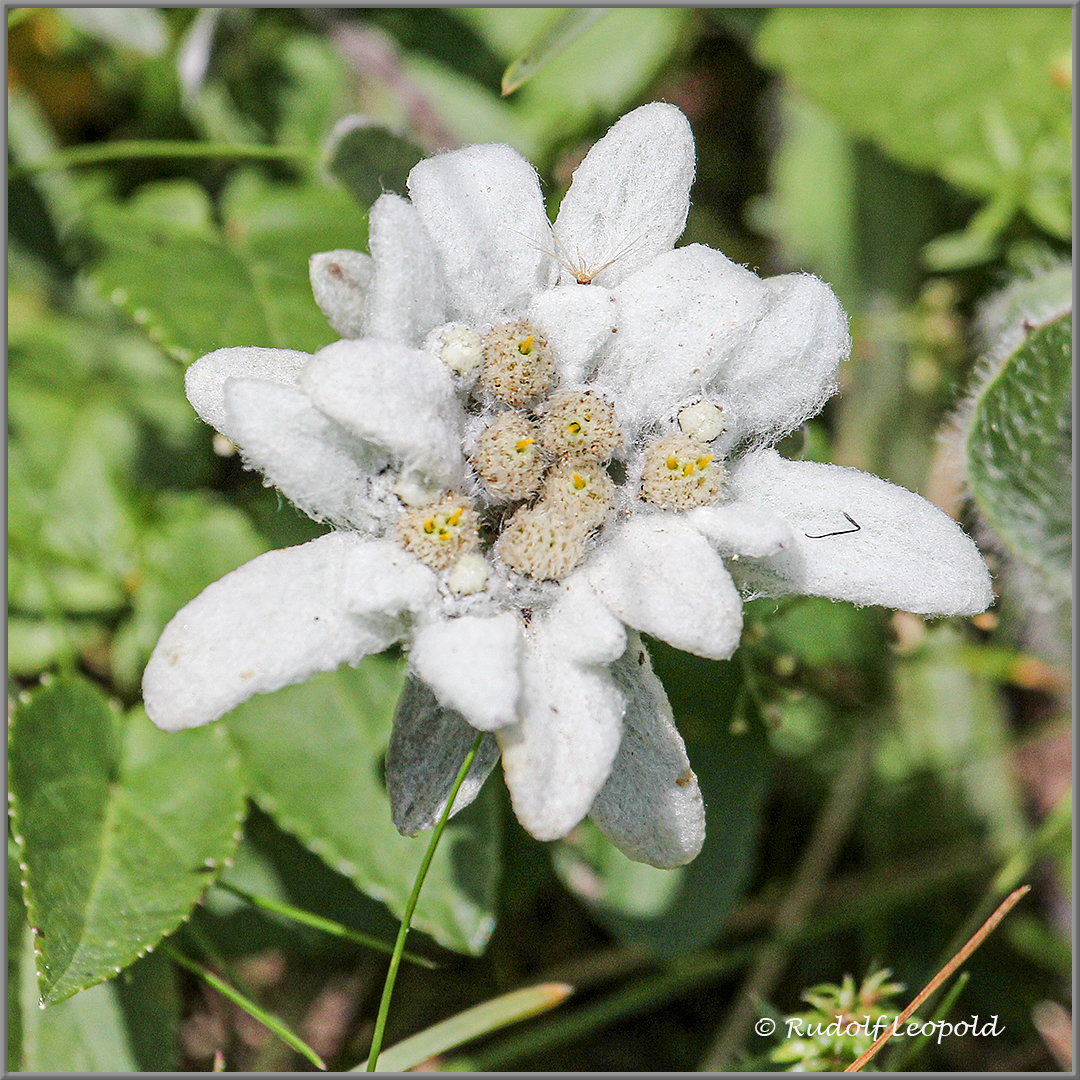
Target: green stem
(249, 1006)
(158, 148)
(410, 906)
(319, 923)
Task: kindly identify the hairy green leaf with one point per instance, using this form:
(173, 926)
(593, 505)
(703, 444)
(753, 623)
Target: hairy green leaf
(1019, 451)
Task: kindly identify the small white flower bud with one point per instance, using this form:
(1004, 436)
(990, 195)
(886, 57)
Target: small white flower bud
(439, 534)
(508, 457)
(580, 425)
(461, 351)
(468, 575)
(680, 473)
(702, 421)
(541, 543)
(579, 491)
(518, 367)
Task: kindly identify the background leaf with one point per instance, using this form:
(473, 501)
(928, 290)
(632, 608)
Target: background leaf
(955, 90)
(119, 828)
(196, 287)
(84, 1034)
(314, 754)
(979, 96)
(370, 160)
(547, 45)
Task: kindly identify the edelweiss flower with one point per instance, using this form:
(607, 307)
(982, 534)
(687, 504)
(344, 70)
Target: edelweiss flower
(534, 442)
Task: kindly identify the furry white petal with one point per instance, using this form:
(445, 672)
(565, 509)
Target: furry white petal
(407, 297)
(273, 622)
(471, 664)
(651, 806)
(204, 380)
(629, 198)
(398, 398)
(483, 209)
(905, 552)
(662, 577)
(682, 317)
(339, 283)
(312, 459)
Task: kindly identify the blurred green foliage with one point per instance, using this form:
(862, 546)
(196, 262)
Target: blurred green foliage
(918, 159)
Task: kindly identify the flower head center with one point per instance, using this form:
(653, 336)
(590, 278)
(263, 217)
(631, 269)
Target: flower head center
(438, 535)
(680, 473)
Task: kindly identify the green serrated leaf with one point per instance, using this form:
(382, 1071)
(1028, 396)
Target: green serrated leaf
(369, 160)
(1019, 452)
(196, 288)
(314, 754)
(119, 827)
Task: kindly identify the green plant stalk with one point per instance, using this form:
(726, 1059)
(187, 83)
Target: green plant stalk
(158, 148)
(410, 907)
(319, 923)
(249, 1006)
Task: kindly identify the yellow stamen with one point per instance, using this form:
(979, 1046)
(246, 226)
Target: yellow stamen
(673, 462)
(429, 525)
(520, 445)
(688, 468)
(525, 347)
(703, 461)
(455, 517)
(579, 482)
(573, 427)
